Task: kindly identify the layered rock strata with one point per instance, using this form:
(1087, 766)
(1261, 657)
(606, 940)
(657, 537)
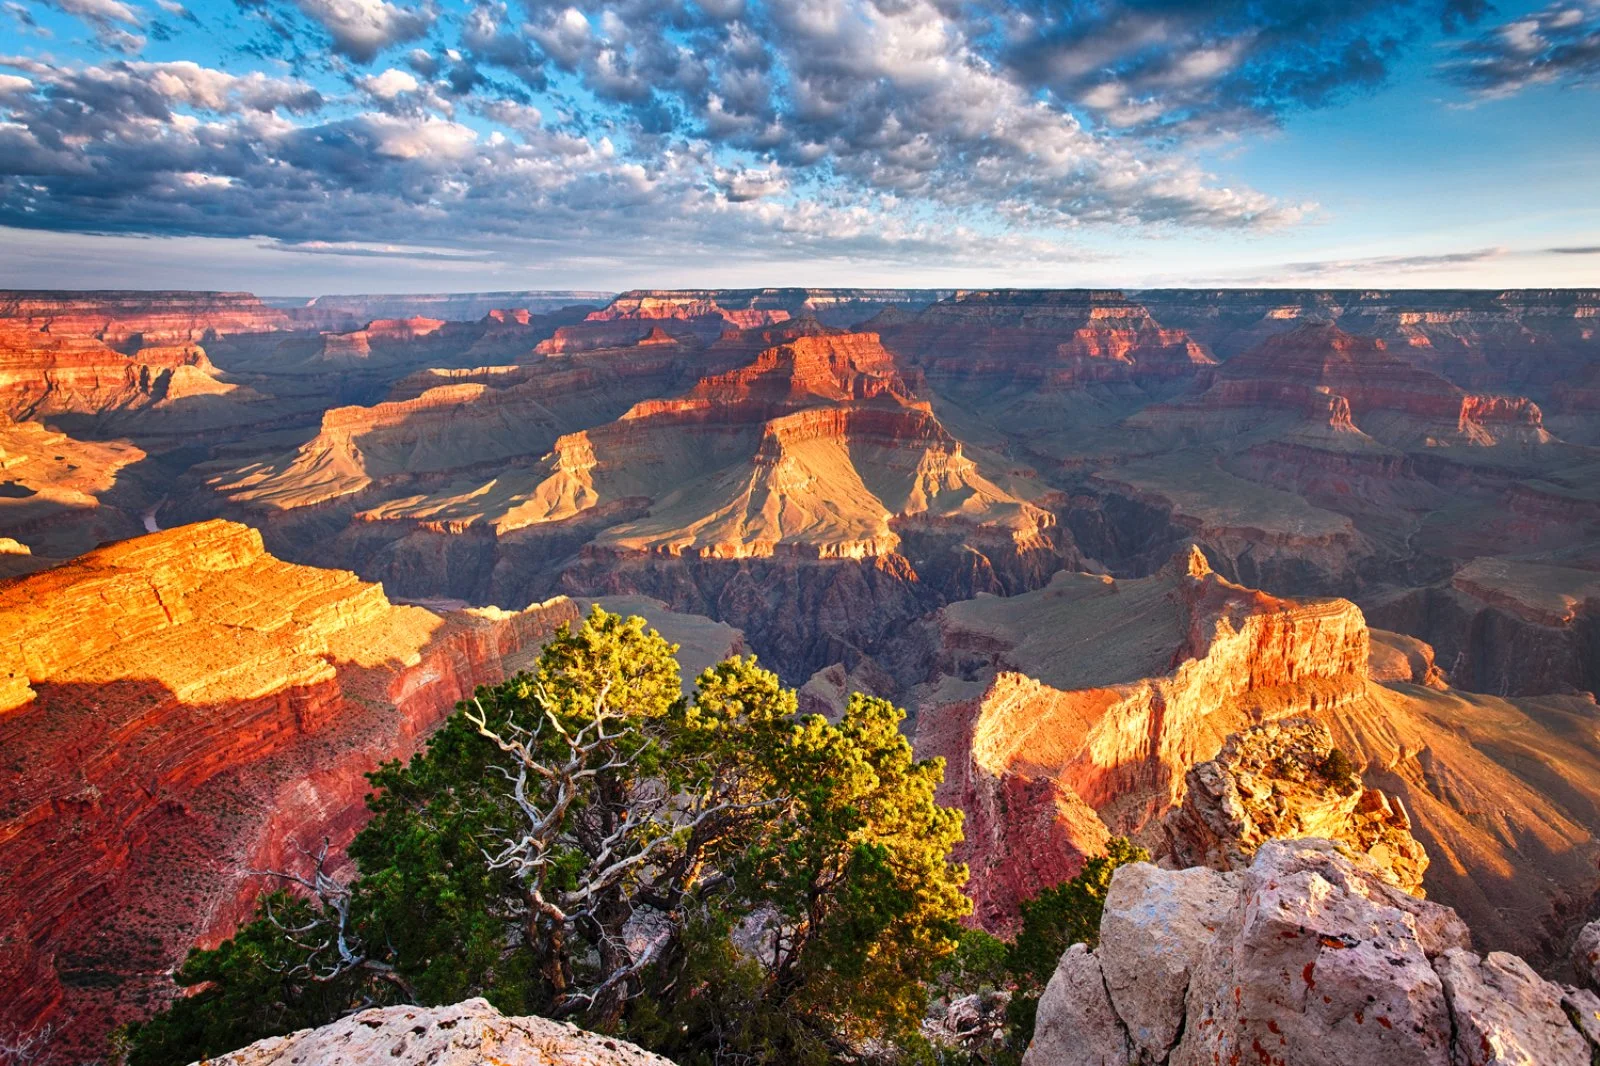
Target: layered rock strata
(176, 711)
(1354, 387)
(1075, 712)
(57, 494)
(1306, 958)
(797, 486)
(125, 320)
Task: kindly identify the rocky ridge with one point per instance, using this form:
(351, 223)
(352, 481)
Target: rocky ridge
(179, 709)
(470, 1033)
(1283, 781)
(1075, 712)
(1306, 958)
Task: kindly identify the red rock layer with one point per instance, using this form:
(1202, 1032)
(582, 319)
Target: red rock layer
(141, 318)
(1533, 342)
(1047, 772)
(41, 381)
(1073, 712)
(1301, 369)
(176, 711)
(1052, 339)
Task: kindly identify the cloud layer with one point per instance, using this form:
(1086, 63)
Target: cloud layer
(1558, 45)
(839, 128)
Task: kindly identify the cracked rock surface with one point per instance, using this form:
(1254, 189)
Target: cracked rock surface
(464, 1034)
(1310, 957)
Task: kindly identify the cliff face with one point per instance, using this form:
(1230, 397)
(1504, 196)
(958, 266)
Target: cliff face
(179, 709)
(1089, 699)
(785, 489)
(1305, 958)
(1353, 386)
(993, 340)
(1508, 626)
(56, 493)
(1071, 713)
(139, 318)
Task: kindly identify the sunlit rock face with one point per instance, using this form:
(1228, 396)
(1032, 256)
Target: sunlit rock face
(177, 710)
(1075, 712)
(1280, 780)
(135, 319)
(792, 480)
(1308, 957)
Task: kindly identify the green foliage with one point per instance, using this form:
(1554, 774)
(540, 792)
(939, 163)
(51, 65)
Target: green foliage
(550, 812)
(1340, 770)
(259, 983)
(980, 962)
(1068, 913)
(1054, 920)
(858, 874)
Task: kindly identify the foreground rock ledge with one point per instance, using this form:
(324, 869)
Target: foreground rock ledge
(465, 1034)
(1308, 958)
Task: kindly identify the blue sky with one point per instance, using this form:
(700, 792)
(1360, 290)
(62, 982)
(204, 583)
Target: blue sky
(304, 146)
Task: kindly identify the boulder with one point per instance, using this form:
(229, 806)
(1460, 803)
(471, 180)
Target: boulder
(1506, 1013)
(1308, 958)
(469, 1033)
(1586, 956)
(1153, 933)
(1077, 1025)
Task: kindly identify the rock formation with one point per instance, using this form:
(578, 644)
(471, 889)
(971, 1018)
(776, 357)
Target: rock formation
(57, 494)
(1509, 626)
(469, 1033)
(1307, 958)
(1280, 781)
(1355, 387)
(129, 320)
(1070, 713)
(344, 311)
(177, 710)
(769, 486)
(1075, 712)
(699, 316)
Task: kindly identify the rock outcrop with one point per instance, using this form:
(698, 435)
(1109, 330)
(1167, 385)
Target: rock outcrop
(126, 320)
(1307, 958)
(1075, 712)
(177, 710)
(60, 495)
(802, 491)
(1070, 713)
(1510, 626)
(470, 1033)
(1286, 780)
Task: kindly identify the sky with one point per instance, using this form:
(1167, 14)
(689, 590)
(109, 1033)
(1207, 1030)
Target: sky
(296, 147)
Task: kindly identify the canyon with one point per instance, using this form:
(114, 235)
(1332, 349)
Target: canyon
(1090, 539)
(178, 710)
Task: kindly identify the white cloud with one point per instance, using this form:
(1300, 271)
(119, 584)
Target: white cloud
(390, 84)
(363, 28)
(99, 10)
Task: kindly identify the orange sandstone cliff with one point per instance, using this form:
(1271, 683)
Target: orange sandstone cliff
(1074, 712)
(177, 710)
